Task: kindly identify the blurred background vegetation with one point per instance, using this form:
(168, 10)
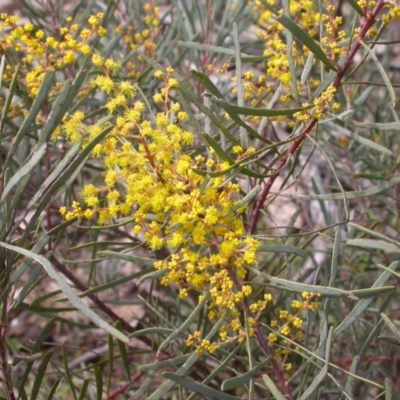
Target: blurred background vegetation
(329, 225)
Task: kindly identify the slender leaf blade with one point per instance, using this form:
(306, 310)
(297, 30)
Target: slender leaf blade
(74, 299)
(203, 390)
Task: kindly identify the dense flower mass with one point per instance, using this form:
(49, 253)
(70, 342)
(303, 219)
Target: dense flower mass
(151, 176)
(42, 51)
(177, 199)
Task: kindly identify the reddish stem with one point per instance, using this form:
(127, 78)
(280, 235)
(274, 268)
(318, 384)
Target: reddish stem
(125, 386)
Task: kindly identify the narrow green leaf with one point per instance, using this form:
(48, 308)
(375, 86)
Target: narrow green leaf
(10, 96)
(335, 258)
(245, 201)
(37, 248)
(167, 386)
(373, 233)
(191, 319)
(203, 390)
(221, 50)
(110, 350)
(152, 275)
(70, 100)
(391, 325)
(371, 144)
(277, 395)
(35, 350)
(53, 389)
(364, 303)
(353, 135)
(390, 340)
(239, 381)
(373, 292)
(322, 374)
(351, 378)
(84, 387)
(40, 373)
(382, 71)
(258, 112)
(244, 139)
(217, 148)
(348, 195)
(323, 290)
(207, 83)
(151, 331)
(306, 40)
(388, 389)
(373, 244)
(24, 171)
(386, 126)
(252, 132)
(307, 68)
(99, 382)
(172, 362)
(18, 358)
(67, 371)
(56, 114)
(124, 354)
(114, 283)
(394, 255)
(30, 118)
(74, 299)
(255, 59)
(2, 65)
(371, 337)
(356, 7)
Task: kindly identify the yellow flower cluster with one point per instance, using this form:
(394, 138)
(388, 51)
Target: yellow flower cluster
(42, 51)
(151, 176)
(289, 325)
(321, 24)
(319, 106)
(303, 13)
(141, 40)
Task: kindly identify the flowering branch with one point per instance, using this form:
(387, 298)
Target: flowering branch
(261, 340)
(366, 24)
